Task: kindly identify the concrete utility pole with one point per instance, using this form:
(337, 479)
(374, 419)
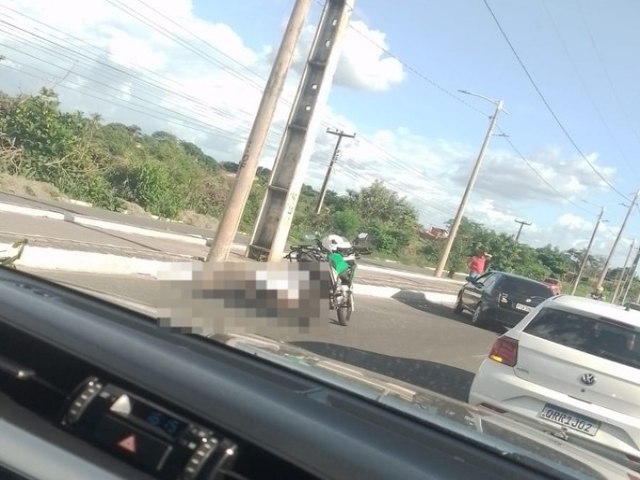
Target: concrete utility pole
(631, 275)
(622, 272)
(228, 226)
(522, 224)
(472, 180)
(334, 157)
(586, 253)
(279, 205)
(603, 274)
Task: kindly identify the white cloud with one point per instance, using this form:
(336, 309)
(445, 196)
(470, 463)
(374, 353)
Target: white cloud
(506, 175)
(574, 222)
(363, 63)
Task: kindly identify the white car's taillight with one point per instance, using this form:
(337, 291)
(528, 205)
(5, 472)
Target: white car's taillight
(505, 351)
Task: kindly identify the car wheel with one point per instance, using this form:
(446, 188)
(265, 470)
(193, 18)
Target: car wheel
(458, 307)
(478, 319)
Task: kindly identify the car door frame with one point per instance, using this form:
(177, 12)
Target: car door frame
(473, 291)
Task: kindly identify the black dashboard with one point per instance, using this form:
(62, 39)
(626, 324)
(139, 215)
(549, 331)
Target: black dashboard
(91, 390)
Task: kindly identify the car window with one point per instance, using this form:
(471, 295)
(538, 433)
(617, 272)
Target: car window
(489, 281)
(525, 287)
(602, 337)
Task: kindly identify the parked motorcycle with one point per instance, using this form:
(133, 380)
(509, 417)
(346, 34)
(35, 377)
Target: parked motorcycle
(341, 256)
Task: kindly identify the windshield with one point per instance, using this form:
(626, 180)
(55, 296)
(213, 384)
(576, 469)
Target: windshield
(204, 161)
(524, 287)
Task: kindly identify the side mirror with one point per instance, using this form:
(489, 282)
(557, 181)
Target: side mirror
(362, 236)
(309, 236)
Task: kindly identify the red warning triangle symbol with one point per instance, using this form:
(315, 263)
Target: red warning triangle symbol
(128, 443)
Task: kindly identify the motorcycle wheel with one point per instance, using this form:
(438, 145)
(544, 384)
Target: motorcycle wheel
(344, 315)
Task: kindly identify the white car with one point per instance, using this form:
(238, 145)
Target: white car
(574, 365)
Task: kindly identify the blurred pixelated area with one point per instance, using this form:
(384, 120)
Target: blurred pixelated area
(244, 298)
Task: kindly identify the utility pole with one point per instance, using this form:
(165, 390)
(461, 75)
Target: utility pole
(622, 272)
(278, 207)
(465, 197)
(603, 274)
(248, 165)
(586, 253)
(522, 224)
(631, 276)
(334, 157)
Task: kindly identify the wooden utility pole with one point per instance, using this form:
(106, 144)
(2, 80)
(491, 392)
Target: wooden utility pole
(248, 165)
(586, 253)
(522, 224)
(622, 274)
(334, 157)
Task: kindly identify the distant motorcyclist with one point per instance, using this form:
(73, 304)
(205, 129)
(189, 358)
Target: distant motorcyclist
(332, 243)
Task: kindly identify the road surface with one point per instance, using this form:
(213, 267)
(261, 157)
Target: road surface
(405, 338)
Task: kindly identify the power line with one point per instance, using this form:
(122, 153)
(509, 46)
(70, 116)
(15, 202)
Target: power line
(58, 50)
(606, 72)
(548, 106)
(586, 90)
(540, 176)
(112, 99)
(175, 89)
(167, 33)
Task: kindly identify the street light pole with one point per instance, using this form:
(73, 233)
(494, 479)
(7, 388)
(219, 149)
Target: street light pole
(465, 197)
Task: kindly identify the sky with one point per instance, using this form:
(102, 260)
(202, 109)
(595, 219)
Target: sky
(567, 144)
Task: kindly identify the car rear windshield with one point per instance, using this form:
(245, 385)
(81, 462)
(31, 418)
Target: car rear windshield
(525, 287)
(602, 337)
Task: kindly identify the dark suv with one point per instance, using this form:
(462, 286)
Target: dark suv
(502, 298)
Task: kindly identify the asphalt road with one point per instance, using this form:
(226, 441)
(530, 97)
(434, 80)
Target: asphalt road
(405, 338)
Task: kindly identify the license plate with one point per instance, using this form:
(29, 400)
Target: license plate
(524, 308)
(570, 420)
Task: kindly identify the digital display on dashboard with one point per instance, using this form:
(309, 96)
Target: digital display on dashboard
(159, 419)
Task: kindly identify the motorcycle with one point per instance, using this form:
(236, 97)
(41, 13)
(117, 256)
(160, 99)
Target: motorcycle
(341, 256)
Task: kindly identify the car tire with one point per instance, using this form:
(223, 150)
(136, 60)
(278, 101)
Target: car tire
(478, 319)
(459, 308)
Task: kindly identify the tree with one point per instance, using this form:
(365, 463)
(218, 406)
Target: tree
(230, 166)
(552, 258)
(391, 219)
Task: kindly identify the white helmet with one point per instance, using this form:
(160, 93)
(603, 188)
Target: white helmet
(333, 242)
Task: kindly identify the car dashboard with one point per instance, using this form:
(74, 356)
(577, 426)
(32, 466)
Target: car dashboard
(92, 390)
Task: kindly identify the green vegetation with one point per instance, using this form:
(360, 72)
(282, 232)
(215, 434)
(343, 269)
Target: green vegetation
(107, 163)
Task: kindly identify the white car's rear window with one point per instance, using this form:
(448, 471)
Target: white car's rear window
(603, 337)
